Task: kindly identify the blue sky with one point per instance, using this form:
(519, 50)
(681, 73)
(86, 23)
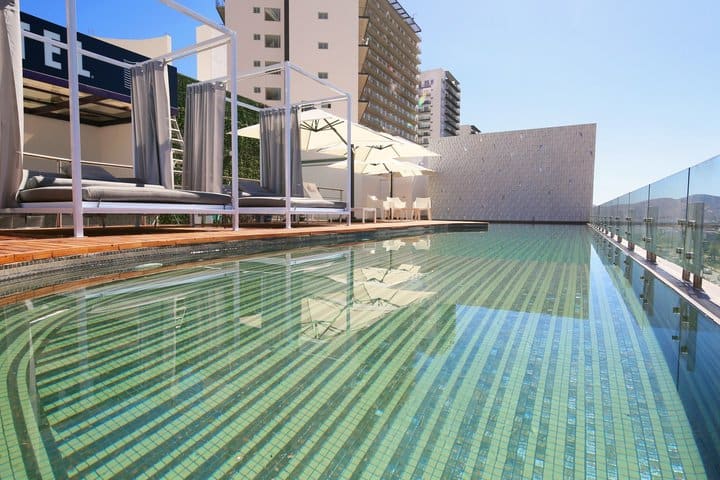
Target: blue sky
(645, 71)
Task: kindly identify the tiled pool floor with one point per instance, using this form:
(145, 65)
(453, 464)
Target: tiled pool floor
(504, 354)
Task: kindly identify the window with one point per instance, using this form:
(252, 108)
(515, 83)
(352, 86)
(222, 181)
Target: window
(272, 14)
(272, 93)
(256, 36)
(256, 89)
(256, 9)
(323, 15)
(269, 63)
(272, 41)
(256, 63)
(323, 75)
(323, 45)
(326, 105)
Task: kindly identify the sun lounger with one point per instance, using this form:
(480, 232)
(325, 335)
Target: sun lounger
(312, 191)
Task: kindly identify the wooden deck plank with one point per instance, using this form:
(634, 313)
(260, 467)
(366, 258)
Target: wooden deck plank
(28, 244)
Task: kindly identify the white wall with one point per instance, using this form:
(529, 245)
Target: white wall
(239, 16)
(211, 63)
(49, 136)
(150, 47)
(540, 175)
(340, 60)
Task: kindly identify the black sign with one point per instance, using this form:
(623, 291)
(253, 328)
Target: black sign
(48, 63)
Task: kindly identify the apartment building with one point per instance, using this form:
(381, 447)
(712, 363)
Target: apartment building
(438, 105)
(389, 68)
(369, 48)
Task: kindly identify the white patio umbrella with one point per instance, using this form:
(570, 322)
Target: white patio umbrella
(385, 157)
(392, 147)
(320, 130)
(389, 166)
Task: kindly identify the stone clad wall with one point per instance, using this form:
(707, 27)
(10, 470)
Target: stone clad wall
(541, 175)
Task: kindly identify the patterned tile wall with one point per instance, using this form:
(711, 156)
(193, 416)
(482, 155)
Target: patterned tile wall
(542, 175)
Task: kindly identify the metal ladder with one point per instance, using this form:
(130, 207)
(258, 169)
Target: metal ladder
(177, 148)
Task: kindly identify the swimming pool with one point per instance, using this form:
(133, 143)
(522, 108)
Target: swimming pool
(521, 352)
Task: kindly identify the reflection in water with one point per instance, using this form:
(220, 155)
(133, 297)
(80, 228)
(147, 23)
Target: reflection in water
(356, 297)
(689, 343)
(370, 294)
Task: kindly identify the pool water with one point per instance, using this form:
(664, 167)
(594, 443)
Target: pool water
(521, 352)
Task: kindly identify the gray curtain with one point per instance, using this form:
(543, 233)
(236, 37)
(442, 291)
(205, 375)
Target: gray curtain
(11, 102)
(272, 152)
(204, 133)
(151, 124)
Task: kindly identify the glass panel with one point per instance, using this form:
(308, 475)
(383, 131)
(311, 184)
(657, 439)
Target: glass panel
(705, 190)
(623, 209)
(272, 14)
(616, 227)
(607, 216)
(272, 41)
(637, 211)
(667, 206)
(272, 93)
(602, 215)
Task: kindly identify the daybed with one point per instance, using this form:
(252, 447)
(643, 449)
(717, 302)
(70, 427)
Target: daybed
(254, 198)
(47, 187)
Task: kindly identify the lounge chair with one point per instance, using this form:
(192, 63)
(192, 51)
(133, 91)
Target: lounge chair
(252, 195)
(420, 204)
(312, 191)
(255, 200)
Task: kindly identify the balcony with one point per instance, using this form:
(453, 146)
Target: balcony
(452, 116)
(452, 93)
(453, 109)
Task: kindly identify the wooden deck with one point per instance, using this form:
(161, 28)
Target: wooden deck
(23, 245)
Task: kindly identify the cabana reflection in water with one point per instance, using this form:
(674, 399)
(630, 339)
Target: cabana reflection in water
(522, 353)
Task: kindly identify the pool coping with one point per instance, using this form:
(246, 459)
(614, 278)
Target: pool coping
(62, 264)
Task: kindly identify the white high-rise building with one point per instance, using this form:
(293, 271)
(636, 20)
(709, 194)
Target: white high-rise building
(369, 48)
(438, 105)
(318, 35)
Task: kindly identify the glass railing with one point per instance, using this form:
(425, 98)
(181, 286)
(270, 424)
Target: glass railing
(676, 218)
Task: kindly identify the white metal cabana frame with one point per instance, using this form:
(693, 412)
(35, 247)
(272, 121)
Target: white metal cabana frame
(286, 68)
(77, 208)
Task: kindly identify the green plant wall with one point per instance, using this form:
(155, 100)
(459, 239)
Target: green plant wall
(249, 148)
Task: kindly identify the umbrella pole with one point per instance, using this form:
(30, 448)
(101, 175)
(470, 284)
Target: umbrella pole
(352, 178)
(391, 183)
